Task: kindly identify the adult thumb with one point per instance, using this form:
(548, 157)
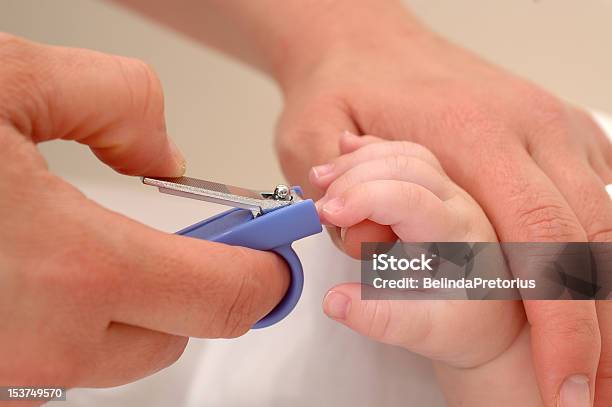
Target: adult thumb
(308, 135)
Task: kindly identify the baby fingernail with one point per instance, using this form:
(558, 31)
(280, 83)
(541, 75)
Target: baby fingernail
(336, 305)
(322, 170)
(333, 206)
(575, 392)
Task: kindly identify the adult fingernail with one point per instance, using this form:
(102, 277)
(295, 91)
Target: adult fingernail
(336, 305)
(575, 392)
(178, 156)
(322, 170)
(333, 206)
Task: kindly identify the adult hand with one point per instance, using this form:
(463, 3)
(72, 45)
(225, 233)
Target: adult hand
(537, 165)
(87, 296)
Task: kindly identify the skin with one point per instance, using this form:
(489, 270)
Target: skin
(536, 164)
(78, 309)
(529, 160)
(402, 185)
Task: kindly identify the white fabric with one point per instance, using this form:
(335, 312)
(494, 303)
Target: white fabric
(307, 360)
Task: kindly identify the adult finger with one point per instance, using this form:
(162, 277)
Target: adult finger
(308, 134)
(113, 104)
(189, 287)
(566, 343)
(350, 142)
(582, 189)
(585, 192)
(524, 205)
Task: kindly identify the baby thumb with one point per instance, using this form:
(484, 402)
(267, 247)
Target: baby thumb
(401, 323)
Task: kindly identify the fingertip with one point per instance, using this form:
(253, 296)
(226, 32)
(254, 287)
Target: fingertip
(171, 163)
(333, 208)
(151, 154)
(350, 142)
(180, 164)
(321, 175)
(319, 206)
(336, 305)
(375, 319)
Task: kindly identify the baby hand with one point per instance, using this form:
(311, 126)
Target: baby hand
(400, 190)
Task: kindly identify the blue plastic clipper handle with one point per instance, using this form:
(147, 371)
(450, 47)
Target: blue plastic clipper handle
(274, 231)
